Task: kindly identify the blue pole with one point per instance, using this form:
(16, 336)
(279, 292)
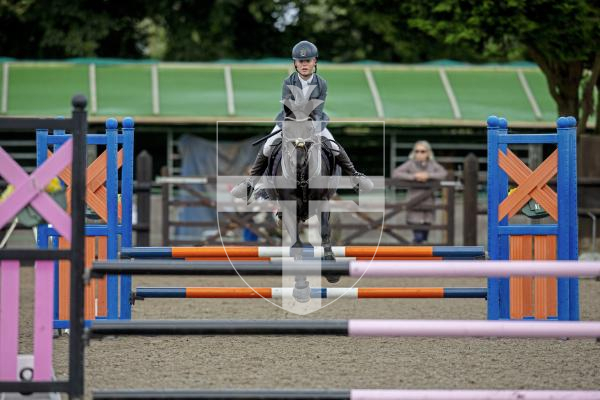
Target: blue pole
(465, 252)
(127, 209)
(112, 182)
(146, 252)
(573, 219)
(465, 293)
(563, 187)
(503, 240)
(493, 304)
(41, 147)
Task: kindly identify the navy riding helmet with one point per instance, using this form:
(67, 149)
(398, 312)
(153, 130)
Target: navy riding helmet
(304, 50)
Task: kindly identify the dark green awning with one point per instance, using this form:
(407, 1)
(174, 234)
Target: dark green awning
(204, 92)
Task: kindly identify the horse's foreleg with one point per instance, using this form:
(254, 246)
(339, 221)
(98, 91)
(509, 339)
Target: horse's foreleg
(326, 236)
(291, 227)
(326, 243)
(301, 291)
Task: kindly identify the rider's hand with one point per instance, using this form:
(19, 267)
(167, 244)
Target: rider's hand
(421, 176)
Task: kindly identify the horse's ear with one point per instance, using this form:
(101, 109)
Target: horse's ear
(288, 112)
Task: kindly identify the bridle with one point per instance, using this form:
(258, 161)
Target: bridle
(290, 147)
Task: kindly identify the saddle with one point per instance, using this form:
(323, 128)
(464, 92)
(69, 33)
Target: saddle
(275, 159)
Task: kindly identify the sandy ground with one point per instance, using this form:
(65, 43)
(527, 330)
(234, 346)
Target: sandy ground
(328, 362)
(320, 361)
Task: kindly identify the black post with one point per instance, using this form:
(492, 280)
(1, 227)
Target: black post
(143, 177)
(166, 240)
(76, 344)
(450, 210)
(470, 180)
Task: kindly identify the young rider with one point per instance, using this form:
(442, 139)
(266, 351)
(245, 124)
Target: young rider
(304, 56)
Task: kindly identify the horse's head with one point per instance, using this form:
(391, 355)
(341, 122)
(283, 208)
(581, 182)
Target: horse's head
(300, 140)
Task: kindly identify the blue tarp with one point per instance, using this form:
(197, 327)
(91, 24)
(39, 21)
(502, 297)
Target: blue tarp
(199, 158)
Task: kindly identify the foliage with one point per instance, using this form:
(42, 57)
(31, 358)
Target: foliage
(74, 28)
(560, 36)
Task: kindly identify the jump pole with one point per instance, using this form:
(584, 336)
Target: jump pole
(379, 269)
(352, 394)
(419, 252)
(358, 327)
(318, 293)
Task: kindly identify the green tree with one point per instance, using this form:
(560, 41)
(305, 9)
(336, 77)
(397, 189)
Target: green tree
(562, 37)
(74, 28)
(371, 30)
(211, 30)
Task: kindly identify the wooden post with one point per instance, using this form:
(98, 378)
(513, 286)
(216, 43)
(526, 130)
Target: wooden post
(470, 180)
(450, 204)
(166, 240)
(143, 175)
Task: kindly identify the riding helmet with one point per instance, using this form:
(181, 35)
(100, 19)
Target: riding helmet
(305, 50)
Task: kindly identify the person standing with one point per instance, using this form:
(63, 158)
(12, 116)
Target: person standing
(421, 167)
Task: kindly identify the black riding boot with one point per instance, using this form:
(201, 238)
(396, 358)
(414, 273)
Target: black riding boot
(244, 189)
(361, 182)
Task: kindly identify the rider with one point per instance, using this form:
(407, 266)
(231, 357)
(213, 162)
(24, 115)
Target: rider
(304, 55)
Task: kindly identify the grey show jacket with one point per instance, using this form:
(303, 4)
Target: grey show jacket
(320, 93)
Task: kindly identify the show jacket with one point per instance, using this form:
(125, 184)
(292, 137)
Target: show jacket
(320, 93)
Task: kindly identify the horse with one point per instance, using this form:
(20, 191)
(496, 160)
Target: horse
(297, 161)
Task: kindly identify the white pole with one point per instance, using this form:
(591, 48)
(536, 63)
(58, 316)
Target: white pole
(155, 91)
(93, 93)
(532, 101)
(229, 88)
(374, 92)
(450, 93)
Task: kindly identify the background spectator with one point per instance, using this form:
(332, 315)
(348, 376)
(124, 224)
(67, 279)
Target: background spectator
(421, 167)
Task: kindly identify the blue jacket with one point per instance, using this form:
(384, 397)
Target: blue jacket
(320, 93)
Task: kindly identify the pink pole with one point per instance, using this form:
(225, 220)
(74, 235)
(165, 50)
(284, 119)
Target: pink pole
(474, 328)
(479, 269)
(474, 395)
(42, 326)
(9, 319)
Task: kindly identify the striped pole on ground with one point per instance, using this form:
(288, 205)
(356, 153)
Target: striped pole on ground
(322, 293)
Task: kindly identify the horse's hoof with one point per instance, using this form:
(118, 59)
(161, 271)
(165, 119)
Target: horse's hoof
(301, 295)
(332, 278)
(329, 257)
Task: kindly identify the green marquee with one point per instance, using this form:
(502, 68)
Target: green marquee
(206, 92)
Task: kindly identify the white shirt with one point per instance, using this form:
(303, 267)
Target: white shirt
(305, 83)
